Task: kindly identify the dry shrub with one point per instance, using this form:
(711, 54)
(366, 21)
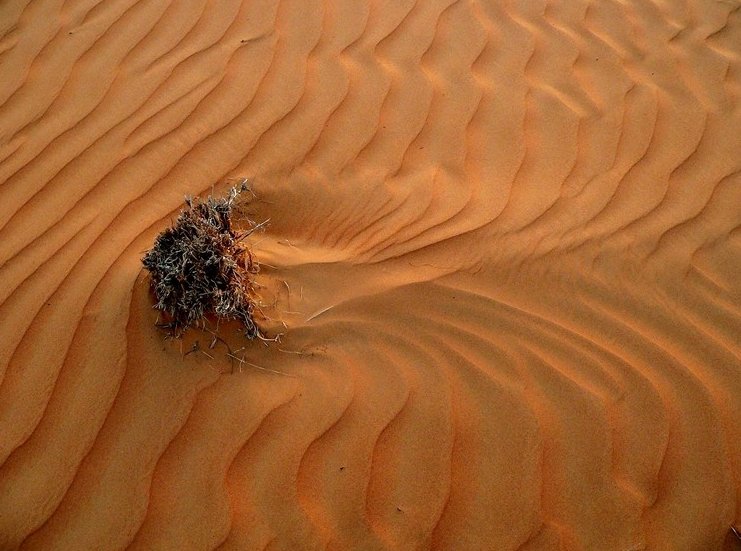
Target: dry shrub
(201, 267)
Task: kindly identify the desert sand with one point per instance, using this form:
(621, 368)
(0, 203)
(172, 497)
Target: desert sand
(504, 252)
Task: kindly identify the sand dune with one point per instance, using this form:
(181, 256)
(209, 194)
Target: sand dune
(504, 240)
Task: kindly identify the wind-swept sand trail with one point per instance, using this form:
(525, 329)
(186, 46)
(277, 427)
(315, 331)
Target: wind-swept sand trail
(504, 238)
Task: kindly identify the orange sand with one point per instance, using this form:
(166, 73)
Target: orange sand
(504, 237)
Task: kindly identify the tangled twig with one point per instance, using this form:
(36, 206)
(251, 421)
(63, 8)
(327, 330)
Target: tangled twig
(200, 267)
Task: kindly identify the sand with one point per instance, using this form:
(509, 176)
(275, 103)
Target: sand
(504, 250)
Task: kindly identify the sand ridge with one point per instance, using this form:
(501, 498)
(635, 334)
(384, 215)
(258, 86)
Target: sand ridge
(502, 239)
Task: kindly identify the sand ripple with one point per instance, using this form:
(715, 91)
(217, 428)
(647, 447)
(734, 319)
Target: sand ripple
(504, 238)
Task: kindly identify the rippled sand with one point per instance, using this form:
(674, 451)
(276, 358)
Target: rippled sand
(504, 239)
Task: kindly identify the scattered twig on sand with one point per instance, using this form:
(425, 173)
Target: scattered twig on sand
(296, 352)
(288, 298)
(243, 361)
(252, 230)
(319, 313)
(197, 348)
(193, 348)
